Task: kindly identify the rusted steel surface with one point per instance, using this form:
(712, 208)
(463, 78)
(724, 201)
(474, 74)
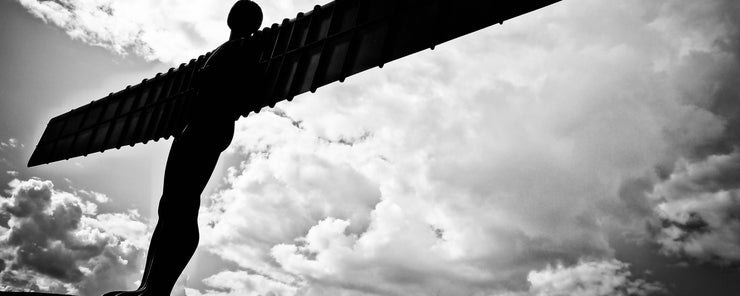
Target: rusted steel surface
(327, 44)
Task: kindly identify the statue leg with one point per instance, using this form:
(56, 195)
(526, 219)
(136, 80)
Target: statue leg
(190, 163)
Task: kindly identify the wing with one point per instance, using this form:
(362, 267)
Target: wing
(327, 44)
(156, 108)
(346, 37)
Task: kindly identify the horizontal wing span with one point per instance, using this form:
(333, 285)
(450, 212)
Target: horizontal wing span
(153, 109)
(346, 37)
(327, 44)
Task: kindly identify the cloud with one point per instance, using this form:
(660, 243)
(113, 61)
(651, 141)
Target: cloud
(690, 202)
(168, 31)
(592, 278)
(243, 283)
(698, 210)
(462, 170)
(11, 143)
(96, 196)
(172, 32)
(57, 242)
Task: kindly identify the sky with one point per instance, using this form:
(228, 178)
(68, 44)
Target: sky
(587, 148)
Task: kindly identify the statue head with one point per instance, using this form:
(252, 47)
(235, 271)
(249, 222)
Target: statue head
(244, 19)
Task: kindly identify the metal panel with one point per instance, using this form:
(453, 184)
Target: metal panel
(368, 48)
(170, 79)
(320, 24)
(300, 32)
(310, 64)
(99, 137)
(336, 52)
(149, 98)
(73, 122)
(345, 16)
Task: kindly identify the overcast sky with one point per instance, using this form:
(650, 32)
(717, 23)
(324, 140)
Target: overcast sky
(588, 148)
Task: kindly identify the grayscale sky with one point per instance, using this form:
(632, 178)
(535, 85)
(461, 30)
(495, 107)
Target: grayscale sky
(588, 148)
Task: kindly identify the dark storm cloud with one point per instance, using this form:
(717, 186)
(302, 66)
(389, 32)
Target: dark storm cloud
(695, 200)
(725, 87)
(55, 241)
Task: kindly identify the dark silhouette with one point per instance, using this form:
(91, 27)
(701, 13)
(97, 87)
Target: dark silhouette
(316, 48)
(198, 102)
(194, 154)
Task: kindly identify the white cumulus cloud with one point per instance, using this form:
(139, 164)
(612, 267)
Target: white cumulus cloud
(462, 170)
(55, 241)
(469, 169)
(243, 283)
(590, 278)
(698, 208)
(171, 31)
